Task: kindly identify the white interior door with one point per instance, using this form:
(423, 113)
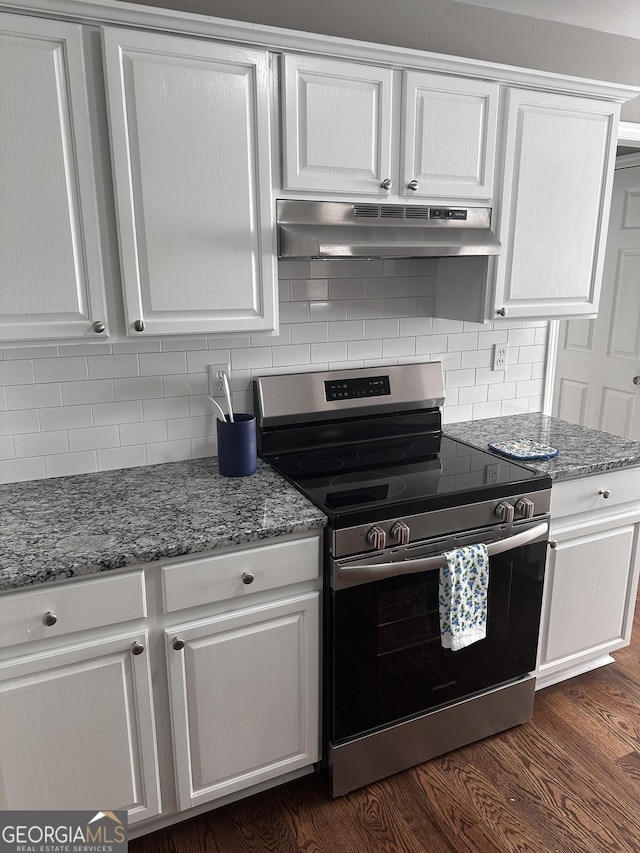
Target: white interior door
(598, 361)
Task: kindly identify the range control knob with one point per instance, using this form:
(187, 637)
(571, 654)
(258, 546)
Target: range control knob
(524, 508)
(377, 538)
(505, 512)
(401, 532)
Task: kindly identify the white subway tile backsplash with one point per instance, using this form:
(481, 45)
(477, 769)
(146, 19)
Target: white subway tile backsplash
(18, 372)
(91, 391)
(148, 432)
(39, 396)
(114, 413)
(331, 352)
(292, 355)
(97, 406)
(13, 423)
(347, 330)
(61, 369)
(137, 388)
(367, 349)
(41, 443)
(161, 364)
(113, 366)
(65, 464)
(168, 451)
(93, 438)
(168, 407)
(16, 470)
(110, 458)
(327, 311)
(7, 447)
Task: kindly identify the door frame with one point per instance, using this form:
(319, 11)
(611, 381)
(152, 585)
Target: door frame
(628, 134)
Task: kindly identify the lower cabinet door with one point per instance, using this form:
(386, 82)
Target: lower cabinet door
(590, 593)
(244, 690)
(77, 730)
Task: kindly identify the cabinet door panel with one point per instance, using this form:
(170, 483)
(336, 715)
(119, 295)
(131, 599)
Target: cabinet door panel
(589, 579)
(77, 730)
(557, 191)
(192, 164)
(50, 261)
(337, 126)
(450, 135)
(244, 697)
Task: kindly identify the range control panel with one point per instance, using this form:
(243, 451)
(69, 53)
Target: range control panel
(355, 389)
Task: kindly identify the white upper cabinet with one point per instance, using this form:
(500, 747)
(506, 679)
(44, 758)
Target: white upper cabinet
(558, 175)
(337, 125)
(50, 259)
(191, 152)
(450, 127)
(342, 135)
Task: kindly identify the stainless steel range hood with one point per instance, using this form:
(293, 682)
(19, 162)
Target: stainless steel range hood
(327, 229)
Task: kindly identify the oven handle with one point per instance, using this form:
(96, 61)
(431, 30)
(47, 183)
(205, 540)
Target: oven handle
(425, 564)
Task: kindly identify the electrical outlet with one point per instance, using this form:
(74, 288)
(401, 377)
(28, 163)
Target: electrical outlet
(216, 383)
(493, 473)
(499, 356)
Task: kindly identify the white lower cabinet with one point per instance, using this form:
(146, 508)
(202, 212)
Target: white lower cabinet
(244, 697)
(592, 573)
(88, 719)
(77, 724)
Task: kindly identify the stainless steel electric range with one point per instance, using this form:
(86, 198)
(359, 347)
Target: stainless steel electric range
(366, 446)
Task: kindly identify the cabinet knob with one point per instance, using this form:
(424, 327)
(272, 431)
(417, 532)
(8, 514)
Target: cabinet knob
(553, 544)
(137, 648)
(636, 380)
(138, 325)
(502, 312)
(178, 643)
(98, 327)
(413, 185)
(386, 184)
(49, 619)
(605, 493)
(248, 577)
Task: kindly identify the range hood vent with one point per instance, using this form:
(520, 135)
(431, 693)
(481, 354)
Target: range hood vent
(327, 229)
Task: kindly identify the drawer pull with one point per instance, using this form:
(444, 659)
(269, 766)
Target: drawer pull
(49, 619)
(605, 493)
(248, 577)
(553, 544)
(137, 648)
(178, 643)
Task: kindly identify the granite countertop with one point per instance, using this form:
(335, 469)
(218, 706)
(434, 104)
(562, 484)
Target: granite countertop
(583, 451)
(72, 526)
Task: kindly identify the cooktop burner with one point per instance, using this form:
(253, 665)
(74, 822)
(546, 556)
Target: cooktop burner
(425, 473)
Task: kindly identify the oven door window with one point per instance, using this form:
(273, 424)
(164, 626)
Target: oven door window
(388, 661)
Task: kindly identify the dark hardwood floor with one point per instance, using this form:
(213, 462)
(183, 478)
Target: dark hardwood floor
(567, 781)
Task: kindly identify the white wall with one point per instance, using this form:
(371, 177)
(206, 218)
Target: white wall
(72, 409)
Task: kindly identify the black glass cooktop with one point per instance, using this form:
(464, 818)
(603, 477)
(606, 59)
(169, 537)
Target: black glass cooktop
(375, 480)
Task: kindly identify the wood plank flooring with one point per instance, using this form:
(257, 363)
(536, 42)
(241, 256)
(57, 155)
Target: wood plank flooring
(568, 781)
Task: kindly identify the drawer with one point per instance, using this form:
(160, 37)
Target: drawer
(74, 606)
(220, 577)
(587, 494)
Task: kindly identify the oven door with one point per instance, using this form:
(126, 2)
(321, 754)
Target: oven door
(386, 662)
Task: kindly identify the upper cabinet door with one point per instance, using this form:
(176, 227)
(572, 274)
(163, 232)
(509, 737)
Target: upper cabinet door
(50, 260)
(337, 126)
(191, 152)
(450, 127)
(558, 175)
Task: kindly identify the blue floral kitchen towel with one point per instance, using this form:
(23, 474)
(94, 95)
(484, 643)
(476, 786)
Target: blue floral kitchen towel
(464, 583)
(524, 448)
